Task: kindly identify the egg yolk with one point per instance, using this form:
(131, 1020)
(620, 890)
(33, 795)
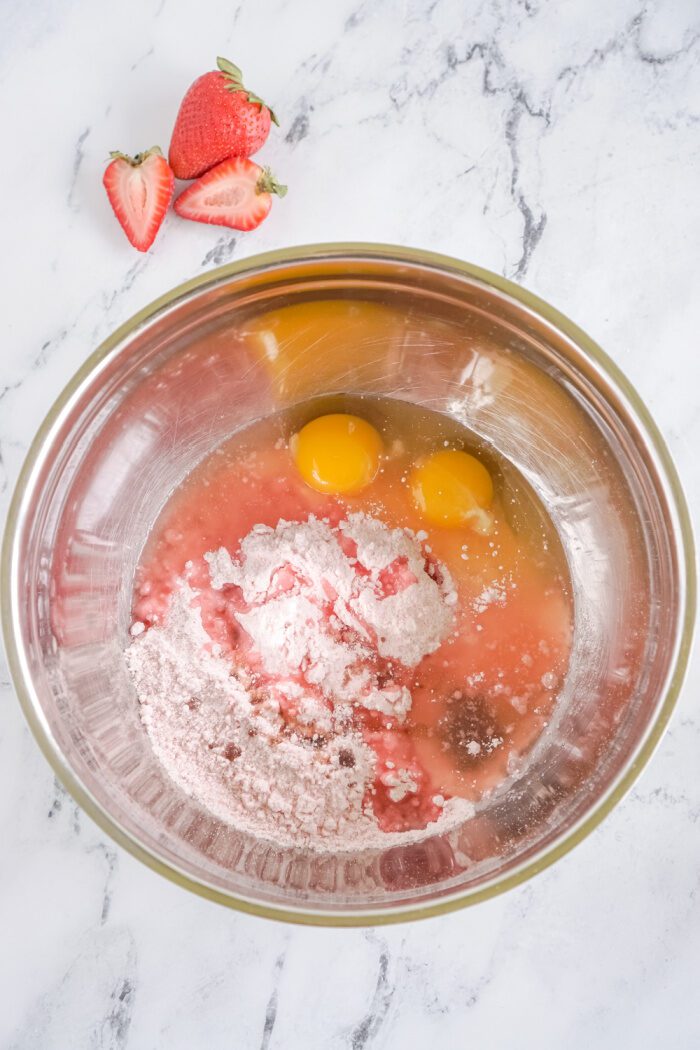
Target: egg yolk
(453, 488)
(337, 453)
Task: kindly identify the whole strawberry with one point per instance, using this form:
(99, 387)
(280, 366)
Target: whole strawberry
(218, 118)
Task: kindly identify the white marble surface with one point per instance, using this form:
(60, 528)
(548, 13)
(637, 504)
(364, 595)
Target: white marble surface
(554, 142)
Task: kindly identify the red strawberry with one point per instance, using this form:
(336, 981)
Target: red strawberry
(218, 118)
(140, 189)
(236, 193)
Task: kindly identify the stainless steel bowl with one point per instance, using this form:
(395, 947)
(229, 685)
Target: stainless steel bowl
(181, 377)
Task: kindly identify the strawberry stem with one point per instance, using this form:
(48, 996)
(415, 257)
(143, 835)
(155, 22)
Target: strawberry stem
(139, 158)
(230, 69)
(267, 183)
(234, 79)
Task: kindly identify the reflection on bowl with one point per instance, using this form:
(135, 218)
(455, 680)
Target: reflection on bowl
(244, 342)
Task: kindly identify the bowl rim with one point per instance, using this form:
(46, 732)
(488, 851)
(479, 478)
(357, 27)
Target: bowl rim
(366, 916)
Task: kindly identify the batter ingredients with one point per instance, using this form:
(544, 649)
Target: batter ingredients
(306, 583)
(350, 625)
(333, 618)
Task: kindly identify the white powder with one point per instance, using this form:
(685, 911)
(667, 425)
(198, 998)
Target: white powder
(318, 613)
(374, 581)
(494, 594)
(400, 784)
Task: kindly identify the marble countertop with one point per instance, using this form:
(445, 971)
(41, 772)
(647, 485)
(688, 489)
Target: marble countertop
(554, 142)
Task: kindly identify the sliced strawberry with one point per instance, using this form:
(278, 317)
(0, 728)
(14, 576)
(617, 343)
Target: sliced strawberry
(236, 193)
(140, 189)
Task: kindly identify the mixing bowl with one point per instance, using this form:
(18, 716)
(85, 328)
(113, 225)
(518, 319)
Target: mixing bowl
(237, 344)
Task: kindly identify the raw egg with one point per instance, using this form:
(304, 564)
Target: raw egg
(337, 453)
(452, 488)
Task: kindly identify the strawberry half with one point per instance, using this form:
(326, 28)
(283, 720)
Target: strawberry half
(140, 189)
(237, 193)
(218, 118)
